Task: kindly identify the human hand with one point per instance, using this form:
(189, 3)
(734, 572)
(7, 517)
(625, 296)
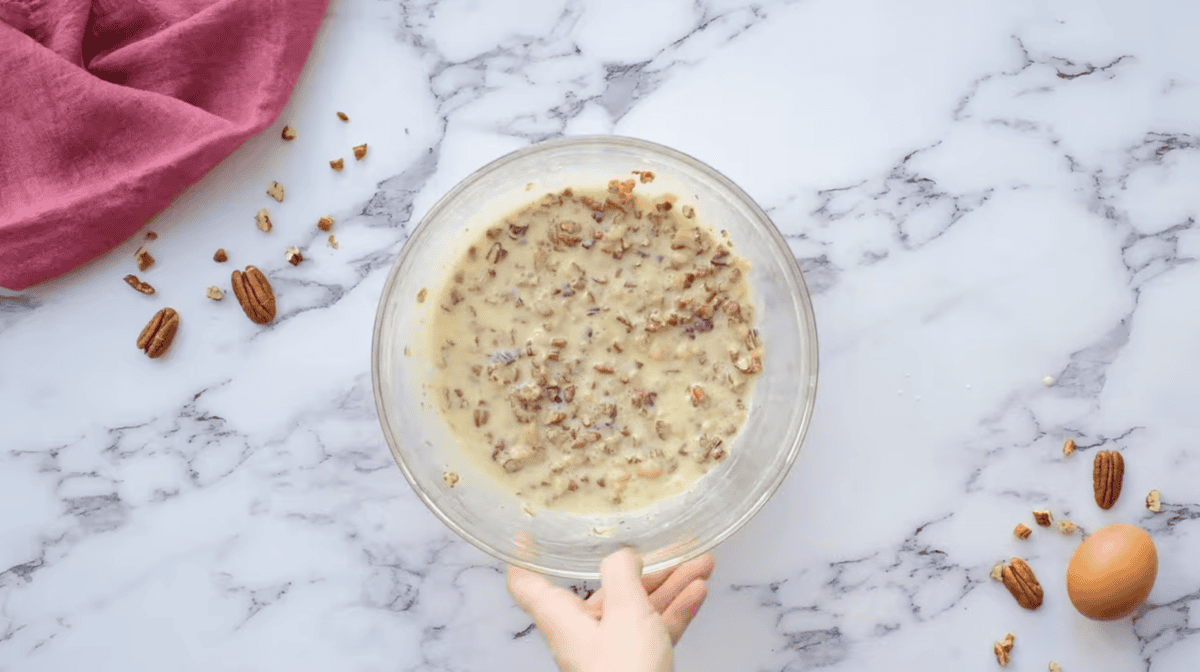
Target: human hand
(627, 626)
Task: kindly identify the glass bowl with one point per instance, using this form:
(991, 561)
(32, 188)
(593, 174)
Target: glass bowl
(570, 544)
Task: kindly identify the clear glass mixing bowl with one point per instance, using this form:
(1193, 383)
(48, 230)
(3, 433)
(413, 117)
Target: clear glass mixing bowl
(567, 544)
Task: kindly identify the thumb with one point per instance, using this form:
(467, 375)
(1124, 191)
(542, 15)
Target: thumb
(621, 577)
(557, 612)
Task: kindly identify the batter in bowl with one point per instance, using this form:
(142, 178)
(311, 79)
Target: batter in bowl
(595, 351)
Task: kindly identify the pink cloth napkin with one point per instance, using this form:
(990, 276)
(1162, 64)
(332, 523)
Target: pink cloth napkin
(110, 108)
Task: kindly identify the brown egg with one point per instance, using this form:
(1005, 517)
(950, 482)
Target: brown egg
(1112, 572)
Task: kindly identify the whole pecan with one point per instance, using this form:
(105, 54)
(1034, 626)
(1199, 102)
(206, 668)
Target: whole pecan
(255, 294)
(1108, 470)
(157, 336)
(1020, 581)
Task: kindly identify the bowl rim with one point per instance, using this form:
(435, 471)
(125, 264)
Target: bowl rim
(422, 229)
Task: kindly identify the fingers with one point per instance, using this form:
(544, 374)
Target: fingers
(557, 612)
(650, 582)
(679, 579)
(621, 576)
(683, 609)
(663, 586)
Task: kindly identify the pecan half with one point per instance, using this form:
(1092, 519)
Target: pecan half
(158, 335)
(1108, 470)
(254, 292)
(1020, 581)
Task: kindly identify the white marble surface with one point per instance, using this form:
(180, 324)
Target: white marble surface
(982, 194)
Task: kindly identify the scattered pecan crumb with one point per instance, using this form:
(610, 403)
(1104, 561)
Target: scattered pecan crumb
(997, 571)
(360, 151)
(144, 260)
(220, 257)
(1055, 667)
(275, 191)
(143, 287)
(689, 211)
(293, 256)
(421, 295)
(333, 242)
(1022, 531)
(407, 351)
(215, 293)
(1003, 649)
(1043, 517)
(150, 235)
(263, 220)
(644, 175)
(450, 477)
(337, 164)
(343, 116)
(1154, 501)
(1067, 527)
(325, 223)
(289, 133)
(1069, 446)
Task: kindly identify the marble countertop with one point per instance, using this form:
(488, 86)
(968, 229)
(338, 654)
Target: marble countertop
(981, 196)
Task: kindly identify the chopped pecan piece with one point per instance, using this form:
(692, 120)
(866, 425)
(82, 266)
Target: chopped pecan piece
(144, 260)
(143, 287)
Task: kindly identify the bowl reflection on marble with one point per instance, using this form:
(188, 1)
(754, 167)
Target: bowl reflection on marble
(570, 544)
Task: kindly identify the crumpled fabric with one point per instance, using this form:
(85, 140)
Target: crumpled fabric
(110, 108)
